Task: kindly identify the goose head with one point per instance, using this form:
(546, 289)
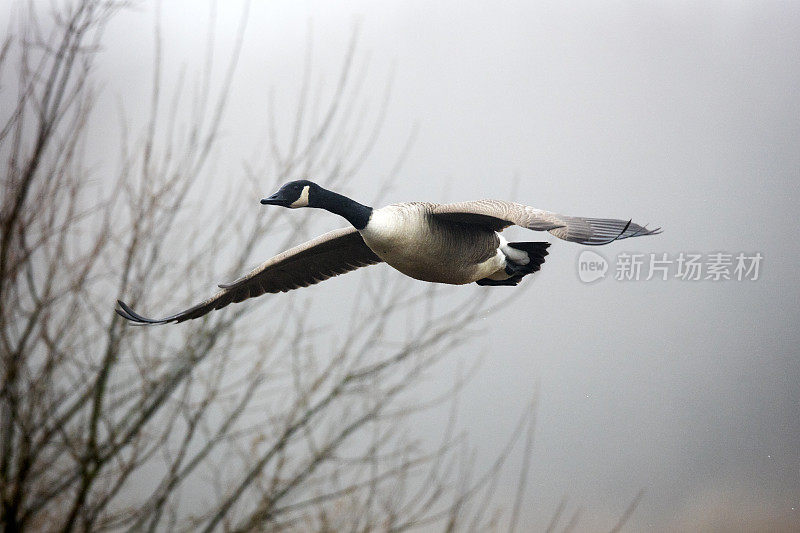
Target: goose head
(304, 193)
(299, 193)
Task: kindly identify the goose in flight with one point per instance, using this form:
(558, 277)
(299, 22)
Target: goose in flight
(444, 243)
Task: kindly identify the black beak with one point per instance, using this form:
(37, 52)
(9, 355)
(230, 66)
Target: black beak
(273, 200)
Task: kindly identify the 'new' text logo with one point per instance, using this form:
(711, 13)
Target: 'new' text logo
(591, 266)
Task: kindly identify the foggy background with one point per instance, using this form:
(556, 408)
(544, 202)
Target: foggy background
(675, 114)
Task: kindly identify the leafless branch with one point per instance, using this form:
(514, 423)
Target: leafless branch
(267, 420)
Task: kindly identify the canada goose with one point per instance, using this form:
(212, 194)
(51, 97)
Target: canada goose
(444, 243)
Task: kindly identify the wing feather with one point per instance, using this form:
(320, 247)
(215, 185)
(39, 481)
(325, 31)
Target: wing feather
(328, 255)
(498, 215)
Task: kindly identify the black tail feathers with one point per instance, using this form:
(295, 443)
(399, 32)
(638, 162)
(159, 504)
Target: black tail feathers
(536, 252)
(510, 282)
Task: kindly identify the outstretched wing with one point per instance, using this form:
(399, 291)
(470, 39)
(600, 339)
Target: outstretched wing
(330, 254)
(498, 215)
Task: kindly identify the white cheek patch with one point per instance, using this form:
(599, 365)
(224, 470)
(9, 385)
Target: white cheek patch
(303, 200)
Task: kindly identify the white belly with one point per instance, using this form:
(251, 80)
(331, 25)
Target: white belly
(405, 240)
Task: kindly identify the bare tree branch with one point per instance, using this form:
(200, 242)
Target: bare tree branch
(253, 418)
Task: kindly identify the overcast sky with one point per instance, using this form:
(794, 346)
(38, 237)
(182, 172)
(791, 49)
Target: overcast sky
(676, 114)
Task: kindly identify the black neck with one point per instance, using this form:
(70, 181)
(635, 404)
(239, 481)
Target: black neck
(355, 213)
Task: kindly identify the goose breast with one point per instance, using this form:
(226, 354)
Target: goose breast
(409, 239)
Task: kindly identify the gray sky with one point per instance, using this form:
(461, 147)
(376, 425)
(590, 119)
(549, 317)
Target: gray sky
(676, 114)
